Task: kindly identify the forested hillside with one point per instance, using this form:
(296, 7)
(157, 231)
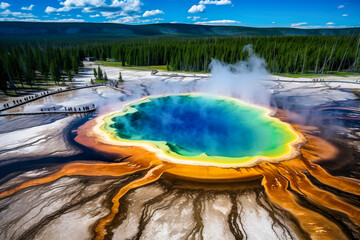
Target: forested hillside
(291, 54)
(25, 62)
(62, 31)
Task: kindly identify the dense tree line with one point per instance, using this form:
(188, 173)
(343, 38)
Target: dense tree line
(28, 64)
(288, 54)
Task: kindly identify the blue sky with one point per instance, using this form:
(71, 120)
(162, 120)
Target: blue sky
(253, 13)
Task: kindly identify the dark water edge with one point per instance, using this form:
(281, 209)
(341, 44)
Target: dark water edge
(20, 165)
(347, 163)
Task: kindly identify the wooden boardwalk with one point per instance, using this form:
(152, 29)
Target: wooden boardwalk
(90, 110)
(43, 94)
(37, 96)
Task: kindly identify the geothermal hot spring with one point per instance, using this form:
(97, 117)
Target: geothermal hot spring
(214, 139)
(199, 129)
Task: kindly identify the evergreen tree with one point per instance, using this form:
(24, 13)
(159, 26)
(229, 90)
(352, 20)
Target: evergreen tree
(100, 74)
(55, 72)
(69, 76)
(29, 67)
(67, 62)
(95, 74)
(120, 77)
(4, 78)
(75, 65)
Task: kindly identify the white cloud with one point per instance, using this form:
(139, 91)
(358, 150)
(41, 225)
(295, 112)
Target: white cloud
(215, 2)
(39, 20)
(127, 6)
(326, 26)
(82, 3)
(340, 6)
(197, 8)
(135, 19)
(113, 14)
(273, 22)
(4, 5)
(7, 13)
(49, 10)
(78, 15)
(194, 18)
(330, 23)
(28, 8)
(155, 20)
(298, 24)
(345, 15)
(87, 10)
(52, 9)
(127, 19)
(94, 16)
(218, 22)
(11, 19)
(121, 7)
(67, 20)
(152, 13)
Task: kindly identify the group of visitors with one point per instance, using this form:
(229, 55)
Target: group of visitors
(71, 109)
(26, 99)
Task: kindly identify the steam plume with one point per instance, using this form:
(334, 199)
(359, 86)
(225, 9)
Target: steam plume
(241, 80)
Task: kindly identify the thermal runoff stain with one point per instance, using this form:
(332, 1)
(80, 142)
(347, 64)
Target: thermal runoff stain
(148, 134)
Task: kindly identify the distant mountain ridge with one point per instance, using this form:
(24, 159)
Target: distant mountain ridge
(50, 30)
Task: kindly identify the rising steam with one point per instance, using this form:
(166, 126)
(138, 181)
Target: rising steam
(241, 80)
